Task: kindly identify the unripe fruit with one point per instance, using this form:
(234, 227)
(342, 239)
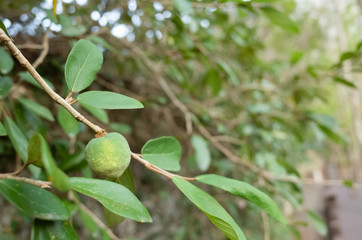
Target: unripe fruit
(109, 155)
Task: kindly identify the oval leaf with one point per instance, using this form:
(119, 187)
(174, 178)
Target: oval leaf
(37, 108)
(5, 85)
(213, 210)
(202, 152)
(115, 197)
(17, 138)
(33, 200)
(246, 191)
(164, 152)
(49, 230)
(83, 63)
(108, 100)
(6, 61)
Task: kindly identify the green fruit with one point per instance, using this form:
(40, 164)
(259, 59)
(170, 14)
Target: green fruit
(109, 155)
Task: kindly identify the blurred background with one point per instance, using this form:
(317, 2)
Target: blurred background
(265, 91)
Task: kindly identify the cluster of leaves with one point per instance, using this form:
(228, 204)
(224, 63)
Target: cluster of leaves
(84, 61)
(220, 72)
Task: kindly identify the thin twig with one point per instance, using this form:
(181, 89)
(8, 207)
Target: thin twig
(42, 184)
(45, 50)
(22, 168)
(94, 217)
(69, 96)
(74, 101)
(58, 99)
(157, 169)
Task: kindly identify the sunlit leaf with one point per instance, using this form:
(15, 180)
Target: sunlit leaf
(244, 190)
(108, 100)
(212, 209)
(83, 63)
(33, 200)
(164, 152)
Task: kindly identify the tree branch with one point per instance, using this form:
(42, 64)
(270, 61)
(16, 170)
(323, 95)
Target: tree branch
(58, 99)
(42, 184)
(45, 50)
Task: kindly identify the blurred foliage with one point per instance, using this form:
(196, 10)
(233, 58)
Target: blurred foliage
(252, 73)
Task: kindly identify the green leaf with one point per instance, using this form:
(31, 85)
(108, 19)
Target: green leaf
(108, 100)
(6, 62)
(184, 7)
(164, 152)
(280, 19)
(29, 78)
(37, 108)
(83, 63)
(213, 210)
(318, 222)
(70, 125)
(121, 128)
(5, 85)
(2, 130)
(126, 180)
(33, 200)
(53, 230)
(202, 152)
(17, 138)
(2, 26)
(70, 29)
(58, 178)
(246, 191)
(344, 81)
(115, 197)
(100, 114)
